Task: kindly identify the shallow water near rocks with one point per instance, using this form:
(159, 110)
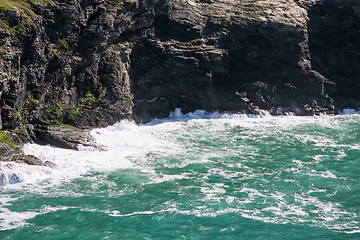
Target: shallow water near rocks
(194, 176)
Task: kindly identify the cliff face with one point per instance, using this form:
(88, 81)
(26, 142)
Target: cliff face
(91, 62)
(228, 55)
(334, 34)
(68, 62)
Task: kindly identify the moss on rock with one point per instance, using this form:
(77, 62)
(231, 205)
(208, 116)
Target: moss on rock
(21, 6)
(6, 140)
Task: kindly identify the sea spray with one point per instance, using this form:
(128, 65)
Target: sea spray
(195, 175)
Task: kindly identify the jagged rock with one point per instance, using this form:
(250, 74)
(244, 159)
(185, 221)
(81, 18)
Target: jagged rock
(11, 177)
(5, 149)
(334, 33)
(10, 150)
(26, 159)
(93, 63)
(228, 56)
(65, 137)
(31, 160)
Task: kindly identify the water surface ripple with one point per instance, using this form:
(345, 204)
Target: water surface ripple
(195, 176)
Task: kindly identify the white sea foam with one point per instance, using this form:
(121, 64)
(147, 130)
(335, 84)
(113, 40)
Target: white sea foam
(178, 116)
(126, 143)
(129, 146)
(11, 173)
(348, 111)
(11, 219)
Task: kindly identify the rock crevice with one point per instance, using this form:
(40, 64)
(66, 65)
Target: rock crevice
(92, 63)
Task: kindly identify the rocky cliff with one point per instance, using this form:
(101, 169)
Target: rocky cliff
(91, 63)
(334, 43)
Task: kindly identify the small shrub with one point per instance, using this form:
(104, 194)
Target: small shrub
(31, 102)
(75, 115)
(6, 140)
(34, 101)
(63, 43)
(89, 100)
(130, 98)
(55, 52)
(3, 23)
(54, 112)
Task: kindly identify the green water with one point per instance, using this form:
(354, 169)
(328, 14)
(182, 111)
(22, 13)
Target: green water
(240, 178)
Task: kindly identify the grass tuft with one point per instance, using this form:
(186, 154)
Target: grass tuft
(21, 5)
(6, 140)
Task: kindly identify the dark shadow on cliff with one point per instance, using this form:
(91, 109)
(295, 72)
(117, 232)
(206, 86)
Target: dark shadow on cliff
(334, 42)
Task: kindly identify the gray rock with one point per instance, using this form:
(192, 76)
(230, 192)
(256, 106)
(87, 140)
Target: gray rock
(65, 137)
(91, 64)
(26, 159)
(334, 33)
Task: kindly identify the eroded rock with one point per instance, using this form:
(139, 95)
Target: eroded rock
(65, 137)
(26, 159)
(93, 63)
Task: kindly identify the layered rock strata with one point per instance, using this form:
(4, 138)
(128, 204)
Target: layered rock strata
(91, 63)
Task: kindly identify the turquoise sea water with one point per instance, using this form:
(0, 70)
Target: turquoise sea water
(195, 176)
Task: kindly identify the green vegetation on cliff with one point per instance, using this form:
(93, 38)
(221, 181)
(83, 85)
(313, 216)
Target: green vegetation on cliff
(75, 114)
(54, 113)
(89, 100)
(21, 5)
(6, 140)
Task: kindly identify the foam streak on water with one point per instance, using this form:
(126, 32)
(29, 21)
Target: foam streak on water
(189, 176)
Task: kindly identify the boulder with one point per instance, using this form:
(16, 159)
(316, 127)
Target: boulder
(64, 137)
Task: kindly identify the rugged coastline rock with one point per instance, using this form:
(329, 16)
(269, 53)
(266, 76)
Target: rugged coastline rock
(27, 159)
(65, 137)
(11, 153)
(91, 63)
(228, 56)
(62, 136)
(334, 43)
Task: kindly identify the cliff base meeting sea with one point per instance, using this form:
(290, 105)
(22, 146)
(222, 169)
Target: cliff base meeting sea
(193, 176)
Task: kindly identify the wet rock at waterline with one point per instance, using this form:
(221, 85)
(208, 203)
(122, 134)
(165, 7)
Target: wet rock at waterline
(65, 137)
(9, 174)
(26, 159)
(92, 63)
